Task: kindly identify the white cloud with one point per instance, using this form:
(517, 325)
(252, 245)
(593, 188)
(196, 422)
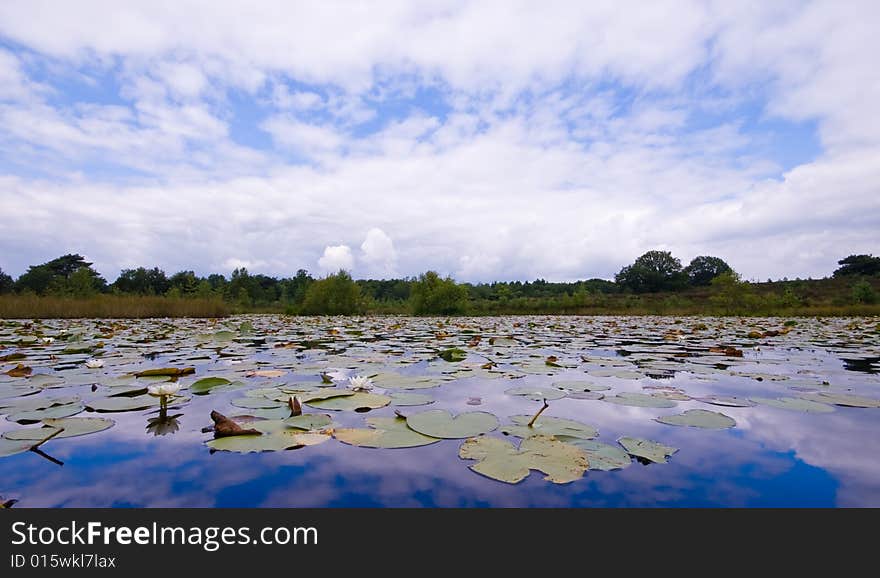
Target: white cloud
(336, 257)
(378, 254)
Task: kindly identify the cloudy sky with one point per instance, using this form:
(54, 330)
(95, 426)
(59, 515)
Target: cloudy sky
(486, 140)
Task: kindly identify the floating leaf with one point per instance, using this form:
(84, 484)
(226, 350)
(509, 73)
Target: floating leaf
(206, 384)
(618, 373)
(453, 355)
(500, 460)
(397, 381)
(19, 370)
(699, 418)
(601, 456)
(794, 404)
(439, 423)
(56, 411)
(386, 432)
(845, 399)
(640, 400)
(7, 391)
(256, 403)
(725, 401)
(594, 395)
(577, 386)
(11, 447)
(410, 399)
(166, 372)
(267, 373)
(551, 426)
(276, 441)
(72, 426)
(309, 421)
(536, 393)
(647, 449)
(112, 404)
(359, 401)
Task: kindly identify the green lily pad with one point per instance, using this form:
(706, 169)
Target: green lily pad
(844, 399)
(593, 395)
(699, 418)
(603, 457)
(256, 403)
(536, 393)
(551, 426)
(647, 449)
(205, 385)
(453, 355)
(401, 399)
(640, 400)
(113, 404)
(385, 432)
(725, 401)
(271, 442)
(579, 386)
(274, 413)
(618, 373)
(73, 427)
(7, 391)
(500, 460)
(359, 401)
(56, 411)
(397, 381)
(439, 423)
(794, 404)
(309, 421)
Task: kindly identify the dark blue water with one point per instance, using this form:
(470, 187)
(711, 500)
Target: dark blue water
(772, 458)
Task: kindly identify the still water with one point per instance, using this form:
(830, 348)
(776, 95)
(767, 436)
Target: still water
(778, 454)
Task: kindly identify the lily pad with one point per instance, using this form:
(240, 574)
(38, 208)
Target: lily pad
(794, 404)
(725, 401)
(56, 411)
(11, 447)
(453, 355)
(551, 426)
(601, 456)
(7, 391)
(500, 460)
(593, 395)
(410, 399)
(647, 449)
(72, 426)
(166, 372)
(358, 401)
(640, 400)
(845, 399)
(439, 423)
(276, 441)
(206, 384)
(576, 386)
(536, 393)
(113, 404)
(256, 403)
(699, 418)
(385, 432)
(618, 373)
(397, 381)
(309, 421)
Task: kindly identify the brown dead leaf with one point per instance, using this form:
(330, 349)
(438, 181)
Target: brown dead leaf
(224, 427)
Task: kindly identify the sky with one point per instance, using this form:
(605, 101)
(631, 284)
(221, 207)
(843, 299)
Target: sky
(490, 140)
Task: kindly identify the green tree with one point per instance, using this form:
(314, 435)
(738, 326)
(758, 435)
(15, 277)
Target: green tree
(704, 268)
(431, 294)
(142, 281)
(858, 265)
(654, 271)
(6, 283)
(185, 282)
(730, 293)
(862, 292)
(54, 276)
(333, 295)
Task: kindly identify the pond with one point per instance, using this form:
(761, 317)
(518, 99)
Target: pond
(437, 412)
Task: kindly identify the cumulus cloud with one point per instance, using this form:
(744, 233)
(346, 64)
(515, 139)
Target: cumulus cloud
(378, 254)
(493, 140)
(336, 257)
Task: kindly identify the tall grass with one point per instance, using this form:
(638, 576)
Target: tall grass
(108, 306)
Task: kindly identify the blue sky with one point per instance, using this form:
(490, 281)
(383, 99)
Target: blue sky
(486, 140)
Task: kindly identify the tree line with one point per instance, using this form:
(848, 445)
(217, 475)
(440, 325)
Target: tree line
(429, 293)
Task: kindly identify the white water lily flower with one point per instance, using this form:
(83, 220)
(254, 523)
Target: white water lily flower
(94, 363)
(360, 383)
(48, 340)
(167, 388)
